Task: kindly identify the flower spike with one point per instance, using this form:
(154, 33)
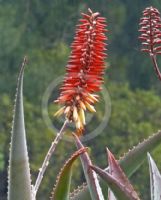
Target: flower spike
(85, 69)
(150, 37)
(151, 31)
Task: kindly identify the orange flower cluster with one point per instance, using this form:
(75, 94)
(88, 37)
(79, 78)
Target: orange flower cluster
(85, 69)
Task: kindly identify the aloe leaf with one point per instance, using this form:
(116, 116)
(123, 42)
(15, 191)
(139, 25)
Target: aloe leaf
(117, 173)
(19, 182)
(133, 159)
(111, 196)
(81, 193)
(119, 189)
(63, 182)
(90, 175)
(129, 162)
(155, 179)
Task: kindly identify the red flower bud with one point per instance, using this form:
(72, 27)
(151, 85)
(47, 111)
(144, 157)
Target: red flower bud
(150, 30)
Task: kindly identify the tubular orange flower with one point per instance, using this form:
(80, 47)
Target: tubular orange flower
(85, 69)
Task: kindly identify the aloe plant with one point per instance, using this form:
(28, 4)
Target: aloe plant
(83, 78)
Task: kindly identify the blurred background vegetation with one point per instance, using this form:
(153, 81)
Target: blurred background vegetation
(44, 30)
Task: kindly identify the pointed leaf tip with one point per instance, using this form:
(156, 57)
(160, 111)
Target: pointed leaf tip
(22, 67)
(155, 179)
(119, 189)
(117, 173)
(110, 158)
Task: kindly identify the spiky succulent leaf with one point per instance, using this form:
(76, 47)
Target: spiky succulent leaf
(19, 183)
(155, 179)
(111, 195)
(62, 187)
(129, 162)
(117, 173)
(132, 160)
(119, 188)
(77, 194)
(90, 175)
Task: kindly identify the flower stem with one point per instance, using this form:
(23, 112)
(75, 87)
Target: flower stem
(155, 64)
(48, 157)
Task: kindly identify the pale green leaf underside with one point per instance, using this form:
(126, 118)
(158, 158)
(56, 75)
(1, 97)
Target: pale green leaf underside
(19, 183)
(155, 179)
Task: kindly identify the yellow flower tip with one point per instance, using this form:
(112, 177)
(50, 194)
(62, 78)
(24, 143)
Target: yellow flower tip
(90, 107)
(78, 124)
(56, 101)
(67, 109)
(82, 116)
(92, 98)
(82, 105)
(59, 112)
(75, 113)
(95, 97)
